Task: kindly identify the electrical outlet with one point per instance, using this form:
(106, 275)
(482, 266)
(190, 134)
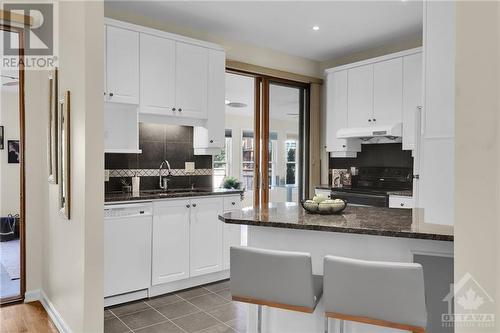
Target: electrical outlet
(106, 175)
(189, 167)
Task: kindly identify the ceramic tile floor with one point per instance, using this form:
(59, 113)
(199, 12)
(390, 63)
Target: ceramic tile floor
(205, 309)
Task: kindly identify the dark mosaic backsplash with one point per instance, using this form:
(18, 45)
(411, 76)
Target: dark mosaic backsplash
(376, 155)
(159, 142)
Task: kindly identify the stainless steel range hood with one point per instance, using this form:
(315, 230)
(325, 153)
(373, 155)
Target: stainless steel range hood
(394, 130)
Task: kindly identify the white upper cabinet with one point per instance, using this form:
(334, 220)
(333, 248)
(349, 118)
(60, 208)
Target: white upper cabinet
(157, 75)
(336, 116)
(209, 140)
(387, 92)
(122, 65)
(191, 84)
(412, 97)
(360, 96)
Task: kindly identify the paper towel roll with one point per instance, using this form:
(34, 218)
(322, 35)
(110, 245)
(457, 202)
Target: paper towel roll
(135, 186)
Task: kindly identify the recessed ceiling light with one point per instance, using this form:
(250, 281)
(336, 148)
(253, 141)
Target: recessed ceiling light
(315, 28)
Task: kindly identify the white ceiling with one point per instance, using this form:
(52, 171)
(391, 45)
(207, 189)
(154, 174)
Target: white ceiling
(283, 101)
(345, 26)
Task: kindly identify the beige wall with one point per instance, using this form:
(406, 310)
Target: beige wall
(235, 50)
(65, 258)
(477, 144)
(9, 173)
(73, 257)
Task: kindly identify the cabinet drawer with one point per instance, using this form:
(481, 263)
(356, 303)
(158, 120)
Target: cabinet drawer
(232, 202)
(396, 201)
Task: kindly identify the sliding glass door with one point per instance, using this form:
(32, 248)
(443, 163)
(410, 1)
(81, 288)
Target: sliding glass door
(266, 138)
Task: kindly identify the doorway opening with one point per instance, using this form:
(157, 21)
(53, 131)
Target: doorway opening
(12, 206)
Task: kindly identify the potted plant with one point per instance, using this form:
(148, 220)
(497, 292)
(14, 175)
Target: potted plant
(231, 183)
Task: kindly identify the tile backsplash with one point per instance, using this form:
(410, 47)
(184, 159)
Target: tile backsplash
(159, 142)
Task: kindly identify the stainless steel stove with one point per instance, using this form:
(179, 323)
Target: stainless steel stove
(373, 185)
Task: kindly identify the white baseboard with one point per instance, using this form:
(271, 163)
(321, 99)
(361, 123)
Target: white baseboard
(58, 321)
(32, 296)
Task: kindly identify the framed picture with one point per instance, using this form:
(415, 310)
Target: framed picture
(64, 151)
(1, 137)
(13, 151)
(52, 130)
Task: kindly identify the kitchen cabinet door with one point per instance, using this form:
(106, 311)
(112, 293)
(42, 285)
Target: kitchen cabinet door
(191, 91)
(360, 96)
(231, 232)
(122, 65)
(170, 241)
(387, 92)
(206, 236)
(209, 139)
(157, 75)
(336, 116)
(412, 97)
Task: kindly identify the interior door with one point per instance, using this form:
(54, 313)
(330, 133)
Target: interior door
(388, 92)
(191, 80)
(170, 241)
(157, 75)
(360, 96)
(205, 244)
(122, 65)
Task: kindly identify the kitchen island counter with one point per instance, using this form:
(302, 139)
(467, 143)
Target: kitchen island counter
(390, 222)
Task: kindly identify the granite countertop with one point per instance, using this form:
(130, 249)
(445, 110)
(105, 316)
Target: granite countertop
(404, 193)
(173, 193)
(380, 221)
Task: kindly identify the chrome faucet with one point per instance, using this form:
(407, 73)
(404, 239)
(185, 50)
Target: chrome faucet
(164, 182)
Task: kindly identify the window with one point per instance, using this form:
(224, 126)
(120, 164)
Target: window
(222, 162)
(291, 162)
(248, 158)
(273, 151)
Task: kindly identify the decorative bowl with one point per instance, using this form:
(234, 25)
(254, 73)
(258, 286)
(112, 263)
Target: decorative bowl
(323, 208)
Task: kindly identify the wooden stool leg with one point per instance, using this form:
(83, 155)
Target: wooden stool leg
(259, 318)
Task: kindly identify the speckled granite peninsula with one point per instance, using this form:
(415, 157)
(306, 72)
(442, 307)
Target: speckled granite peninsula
(116, 197)
(390, 222)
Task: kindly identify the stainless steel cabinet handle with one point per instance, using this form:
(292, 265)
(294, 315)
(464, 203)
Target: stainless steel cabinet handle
(110, 94)
(369, 120)
(233, 203)
(187, 206)
(173, 109)
(402, 204)
(211, 141)
(194, 205)
(374, 119)
(180, 109)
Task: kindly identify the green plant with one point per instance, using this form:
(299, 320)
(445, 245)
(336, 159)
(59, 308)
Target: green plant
(231, 182)
(124, 182)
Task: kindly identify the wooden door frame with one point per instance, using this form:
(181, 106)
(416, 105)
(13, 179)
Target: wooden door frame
(261, 125)
(22, 147)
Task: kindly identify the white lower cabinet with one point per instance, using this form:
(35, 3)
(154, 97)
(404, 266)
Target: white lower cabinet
(171, 233)
(399, 201)
(205, 242)
(188, 238)
(231, 233)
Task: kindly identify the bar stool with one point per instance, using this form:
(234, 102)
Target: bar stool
(278, 279)
(386, 294)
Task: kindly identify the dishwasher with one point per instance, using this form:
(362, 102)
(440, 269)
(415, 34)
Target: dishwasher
(127, 248)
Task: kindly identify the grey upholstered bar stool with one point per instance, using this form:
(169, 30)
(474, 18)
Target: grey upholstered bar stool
(386, 294)
(279, 279)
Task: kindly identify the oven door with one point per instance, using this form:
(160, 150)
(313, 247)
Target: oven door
(363, 199)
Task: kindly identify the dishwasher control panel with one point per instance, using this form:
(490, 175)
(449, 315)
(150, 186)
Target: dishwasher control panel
(123, 210)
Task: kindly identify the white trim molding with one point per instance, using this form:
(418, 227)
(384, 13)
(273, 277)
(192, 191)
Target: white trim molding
(56, 317)
(32, 296)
